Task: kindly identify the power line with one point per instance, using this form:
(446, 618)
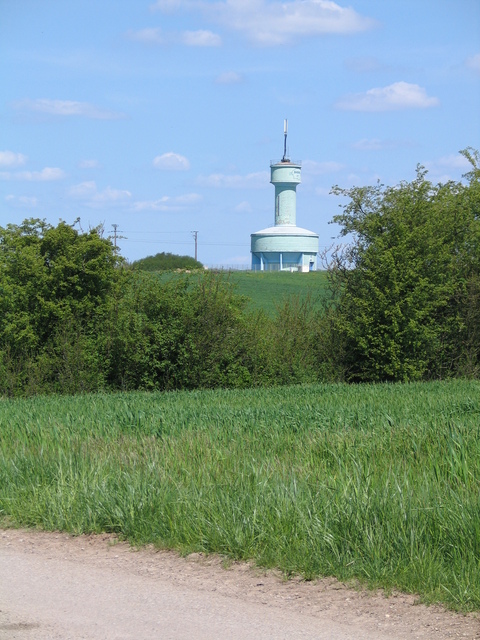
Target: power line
(207, 244)
(158, 232)
(204, 244)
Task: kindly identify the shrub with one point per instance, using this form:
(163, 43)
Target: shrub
(407, 305)
(166, 262)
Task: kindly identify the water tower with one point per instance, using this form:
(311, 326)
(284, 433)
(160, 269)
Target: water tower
(285, 247)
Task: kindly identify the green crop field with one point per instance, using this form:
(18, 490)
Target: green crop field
(375, 483)
(267, 290)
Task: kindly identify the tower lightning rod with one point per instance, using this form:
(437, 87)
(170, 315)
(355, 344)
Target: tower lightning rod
(285, 131)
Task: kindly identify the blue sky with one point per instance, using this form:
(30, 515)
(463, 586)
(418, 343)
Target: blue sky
(162, 116)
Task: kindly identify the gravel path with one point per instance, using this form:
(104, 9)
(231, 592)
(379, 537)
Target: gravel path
(54, 586)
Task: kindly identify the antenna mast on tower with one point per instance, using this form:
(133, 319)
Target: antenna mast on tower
(285, 131)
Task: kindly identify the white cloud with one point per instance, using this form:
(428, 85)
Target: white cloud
(168, 203)
(229, 77)
(112, 195)
(22, 201)
(11, 159)
(88, 192)
(201, 39)
(319, 168)
(83, 190)
(154, 35)
(454, 161)
(364, 179)
(167, 6)
(275, 23)
(188, 198)
(370, 144)
(400, 95)
(67, 108)
(250, 181)
(147, 36)
(448, 167)
(89, 164)
(28, 201)
(171, 162)
(45, 175)
(474, 63)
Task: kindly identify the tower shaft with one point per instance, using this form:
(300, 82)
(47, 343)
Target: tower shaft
(285, 176)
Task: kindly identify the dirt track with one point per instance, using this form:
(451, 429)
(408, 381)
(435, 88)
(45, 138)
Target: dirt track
(53, 586)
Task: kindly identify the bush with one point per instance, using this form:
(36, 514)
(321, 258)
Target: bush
(73, 321)
(407, 306)
(57, 286)
(404, 305)
(166, 262)
(184, 333)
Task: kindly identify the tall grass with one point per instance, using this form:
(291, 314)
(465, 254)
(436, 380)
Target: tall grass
(379, 483)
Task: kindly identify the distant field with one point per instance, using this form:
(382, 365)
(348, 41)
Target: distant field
(378, 483)
(268, 289)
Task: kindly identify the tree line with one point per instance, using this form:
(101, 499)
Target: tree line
(403, 304)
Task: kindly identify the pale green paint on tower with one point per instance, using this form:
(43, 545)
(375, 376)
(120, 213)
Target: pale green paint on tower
(285, 246)
(285, 176)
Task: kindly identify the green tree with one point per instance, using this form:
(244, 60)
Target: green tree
(184, 333)
(56, 285)
(407, 306)
(166, 262)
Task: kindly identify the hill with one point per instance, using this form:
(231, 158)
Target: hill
(268, 289)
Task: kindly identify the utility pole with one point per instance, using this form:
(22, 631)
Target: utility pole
(195, 235)
(115, 227)
(116, 236)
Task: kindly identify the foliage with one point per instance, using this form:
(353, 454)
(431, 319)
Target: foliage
(50, 275)
(56, 285)
(373, 482)
(166, 262)
(178, 334)
(402, 303)
(407, 304)
(74, 321)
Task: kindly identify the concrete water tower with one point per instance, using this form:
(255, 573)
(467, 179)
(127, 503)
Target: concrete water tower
(285, 247)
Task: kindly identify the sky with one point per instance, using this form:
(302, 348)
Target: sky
(160, 118)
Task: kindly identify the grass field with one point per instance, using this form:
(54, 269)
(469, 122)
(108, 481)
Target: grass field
(269, 289)
(379, 483)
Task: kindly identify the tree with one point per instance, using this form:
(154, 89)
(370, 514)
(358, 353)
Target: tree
(181, 333)
(409, 282)
(166, 262)
(55, 286)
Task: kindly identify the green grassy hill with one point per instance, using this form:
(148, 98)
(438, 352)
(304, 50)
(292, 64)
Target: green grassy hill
(269, 289)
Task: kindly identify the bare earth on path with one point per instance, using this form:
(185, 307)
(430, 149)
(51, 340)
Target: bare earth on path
(54, 586)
